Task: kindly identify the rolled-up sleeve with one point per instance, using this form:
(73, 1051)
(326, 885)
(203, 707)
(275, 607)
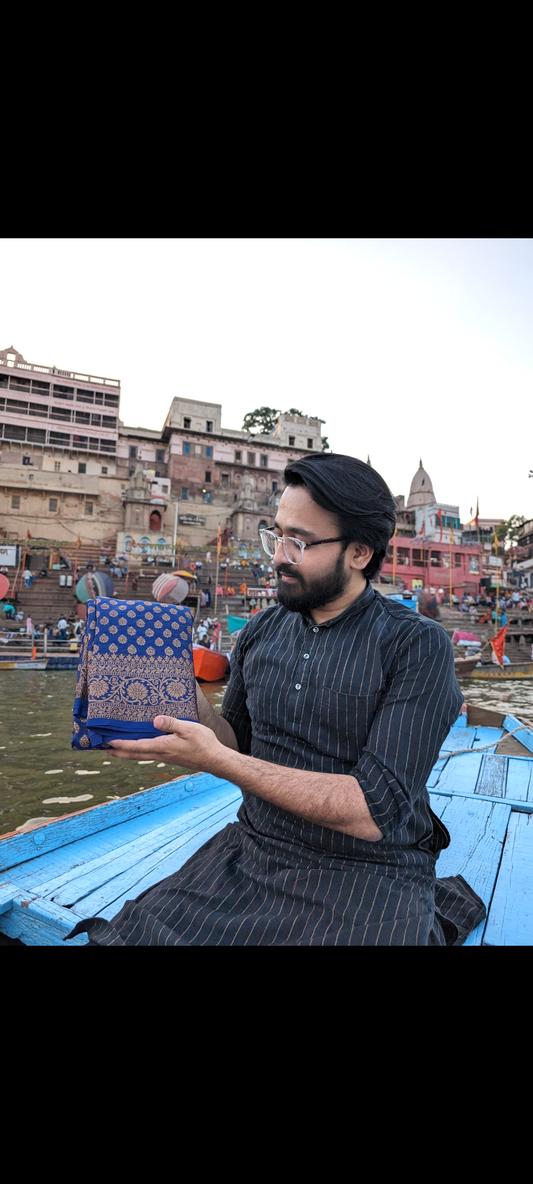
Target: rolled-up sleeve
(421, 702)
(235, 709)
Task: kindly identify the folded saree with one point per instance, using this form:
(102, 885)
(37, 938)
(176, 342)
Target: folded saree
(135, 663)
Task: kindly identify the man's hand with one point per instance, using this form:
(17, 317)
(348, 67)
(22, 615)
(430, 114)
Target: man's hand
(190, 745)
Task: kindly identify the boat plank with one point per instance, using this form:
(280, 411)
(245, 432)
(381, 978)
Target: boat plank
(519, 779)
(68, 888)
(436, 771)
(461, 773)
(493, 776)
(36, 872)
(39, 922)
(510, 921)
(525, 736)
(477, 833)
(458, 738)
(485, 735)
(108, 900)
(16, 849)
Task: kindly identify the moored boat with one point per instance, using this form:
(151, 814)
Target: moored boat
(490, 671)
(209, 665)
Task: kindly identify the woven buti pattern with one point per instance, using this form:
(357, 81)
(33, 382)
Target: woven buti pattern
(135, 663)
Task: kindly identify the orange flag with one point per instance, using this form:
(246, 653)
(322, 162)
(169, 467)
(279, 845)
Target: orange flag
(498, 644)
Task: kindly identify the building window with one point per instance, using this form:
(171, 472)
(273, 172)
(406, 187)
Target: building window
(26, 460)
(238, 456)
(57, 466)
(457, 559)
(186, 422)
(209, 451)
(160, 455)
(104, 470)
(207, 496)
(208, 477)
(264, 462)
(133, 452)
(184, 495)
(251, 458)
(209, 425)
(15, 501)
(309, 442)
(225, 480)
(274, 486)
(88, 508)
(52, 505)
(292, 441)
(187, 449)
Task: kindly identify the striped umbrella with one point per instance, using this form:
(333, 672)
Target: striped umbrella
(170, 587)
(92, 584)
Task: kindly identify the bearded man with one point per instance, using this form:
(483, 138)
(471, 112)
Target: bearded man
(336, 708)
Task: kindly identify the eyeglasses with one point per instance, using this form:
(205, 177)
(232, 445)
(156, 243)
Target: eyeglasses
(293, 548)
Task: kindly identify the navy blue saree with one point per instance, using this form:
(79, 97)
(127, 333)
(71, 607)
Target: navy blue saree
(135, 663)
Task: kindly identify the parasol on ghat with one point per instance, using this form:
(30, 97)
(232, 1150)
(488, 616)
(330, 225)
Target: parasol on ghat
(170, 587)
(92, 584)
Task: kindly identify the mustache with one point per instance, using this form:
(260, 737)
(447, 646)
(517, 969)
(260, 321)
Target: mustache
(287, 569)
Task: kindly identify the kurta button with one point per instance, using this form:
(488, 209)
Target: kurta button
(315, 628)
(298, 686)
(306, 655)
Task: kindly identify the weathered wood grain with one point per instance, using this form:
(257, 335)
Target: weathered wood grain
(477, 832)
(492, 776)
(16, 849)
(519, 779)
(106, 901)
(510, 921)
(525, 736)
(70, 887)
(461, 773)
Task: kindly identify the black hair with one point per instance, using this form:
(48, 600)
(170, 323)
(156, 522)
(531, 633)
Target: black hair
(352, 490)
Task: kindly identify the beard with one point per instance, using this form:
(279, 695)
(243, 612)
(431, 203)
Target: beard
(312, 594)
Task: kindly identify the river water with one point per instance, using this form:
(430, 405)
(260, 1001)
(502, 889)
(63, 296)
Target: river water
(38, 766)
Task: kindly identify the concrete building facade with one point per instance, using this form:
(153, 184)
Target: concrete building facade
(69, 467)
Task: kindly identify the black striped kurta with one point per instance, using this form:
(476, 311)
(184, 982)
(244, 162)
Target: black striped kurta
(372, 694)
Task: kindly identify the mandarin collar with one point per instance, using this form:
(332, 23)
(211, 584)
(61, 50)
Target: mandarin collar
(353, 610)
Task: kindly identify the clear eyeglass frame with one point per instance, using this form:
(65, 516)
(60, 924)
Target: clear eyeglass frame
(293, 548)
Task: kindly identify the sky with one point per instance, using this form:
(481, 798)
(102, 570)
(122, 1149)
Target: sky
(407, 348)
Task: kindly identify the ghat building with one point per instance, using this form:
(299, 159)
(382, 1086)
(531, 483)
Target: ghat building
(422, 555)
(69, 467)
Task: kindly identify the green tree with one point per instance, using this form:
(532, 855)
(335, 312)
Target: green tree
(263, 418)
(507, 531)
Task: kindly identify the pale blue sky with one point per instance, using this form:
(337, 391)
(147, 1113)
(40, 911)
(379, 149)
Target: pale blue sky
(406, 348)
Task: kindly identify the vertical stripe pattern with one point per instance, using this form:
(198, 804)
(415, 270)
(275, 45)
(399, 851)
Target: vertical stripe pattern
(371, 693)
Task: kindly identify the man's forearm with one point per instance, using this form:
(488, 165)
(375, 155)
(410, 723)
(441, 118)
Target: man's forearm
(327, 799)
(210, 719)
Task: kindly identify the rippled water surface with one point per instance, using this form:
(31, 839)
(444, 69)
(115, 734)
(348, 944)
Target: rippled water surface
(37, 762)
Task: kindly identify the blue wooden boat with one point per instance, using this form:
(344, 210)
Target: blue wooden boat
(89, 863)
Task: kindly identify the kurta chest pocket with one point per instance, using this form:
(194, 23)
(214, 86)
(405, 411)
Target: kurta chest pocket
(343, 723)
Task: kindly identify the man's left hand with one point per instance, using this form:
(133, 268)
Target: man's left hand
(187, 744)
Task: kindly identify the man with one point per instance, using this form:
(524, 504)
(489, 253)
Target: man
(337, 705)
(62, 629)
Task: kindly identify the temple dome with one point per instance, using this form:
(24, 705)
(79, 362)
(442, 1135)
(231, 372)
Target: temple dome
(421, 491)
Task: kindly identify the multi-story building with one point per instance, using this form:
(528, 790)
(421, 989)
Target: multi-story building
(69, 466)
(524, 551)
(212, 475)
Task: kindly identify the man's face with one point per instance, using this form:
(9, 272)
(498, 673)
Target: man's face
(324, 573)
